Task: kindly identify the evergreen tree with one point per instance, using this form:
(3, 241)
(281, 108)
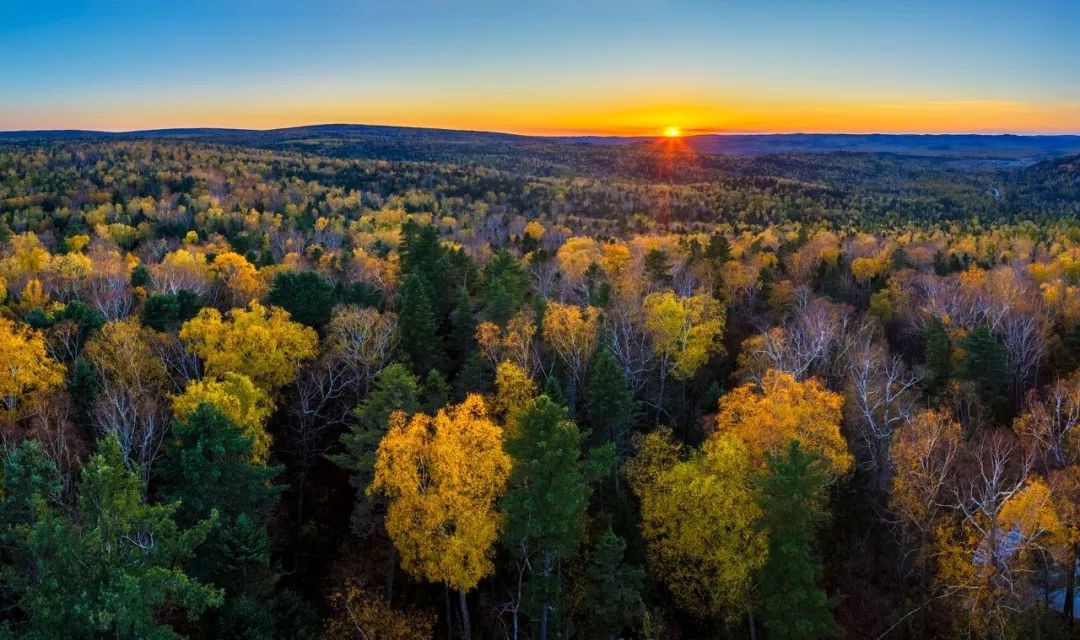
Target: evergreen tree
(395, 389)
(462, 339)
(208, 468)
(417, 325)
(794, 605)
(546, 498)
(937, 351)
(986, 364)
(505, 284)
(611, 591)
(306, 295)
(110, 568)
(609, 401)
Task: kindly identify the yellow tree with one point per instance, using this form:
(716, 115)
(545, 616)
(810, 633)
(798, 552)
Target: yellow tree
(363, 614)
(26, 370)
(240, 279)
(260, 343)
(783, 409)
(699, 519)
(685, 333)
(239, 400)
(443, 477)
(572, 333)
(513, 391)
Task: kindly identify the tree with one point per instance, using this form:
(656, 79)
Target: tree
(418, 325)
(572, 333)
(207, 469)
(132, 401)
(364, 338)
(546, 497)
(238, 399)
(685, 331)
(985, 364)
(443, 476)
(395, 390)
(361, 614)
(504, 286)
(707, 556)
(258, 342)
(514, 390)
(25, 367)
(306, 295)
(108, 569)
(937, 350)
(240, 280)
(611, 591)
(783, 410)
(609, 401)
(794, 605)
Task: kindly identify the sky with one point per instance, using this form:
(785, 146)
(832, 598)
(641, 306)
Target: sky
(555, 67)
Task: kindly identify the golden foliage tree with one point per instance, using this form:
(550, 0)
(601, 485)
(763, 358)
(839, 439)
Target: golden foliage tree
(685, 331)
(572, 333)
(443, 476)
(706, 554)
(260, 343)
(362, 614)
(25, 367)
(783, 409)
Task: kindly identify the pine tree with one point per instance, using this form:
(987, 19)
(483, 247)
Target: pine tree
(417, 325)
(208, 468)
(395, 389)
(986, 364)
(95, 573)
(937, 350)
(794, 605)
(609, 401)
(546, 499)
(611, 590)
(306, 295)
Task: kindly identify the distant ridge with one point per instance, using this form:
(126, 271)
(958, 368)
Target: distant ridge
(974, 146)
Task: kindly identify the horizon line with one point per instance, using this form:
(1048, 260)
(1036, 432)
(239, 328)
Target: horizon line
(519, 133)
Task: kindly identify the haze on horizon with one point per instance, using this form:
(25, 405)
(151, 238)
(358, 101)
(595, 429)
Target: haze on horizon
(608, 68)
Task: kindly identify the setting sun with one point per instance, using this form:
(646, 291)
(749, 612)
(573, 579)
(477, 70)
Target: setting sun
(672, 132)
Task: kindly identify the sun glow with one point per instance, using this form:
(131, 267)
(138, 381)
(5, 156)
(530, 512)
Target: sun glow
(672, 132)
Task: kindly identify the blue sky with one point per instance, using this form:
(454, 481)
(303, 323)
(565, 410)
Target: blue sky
(611, 67)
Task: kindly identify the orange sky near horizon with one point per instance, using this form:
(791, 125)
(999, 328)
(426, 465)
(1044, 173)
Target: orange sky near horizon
(567, 117)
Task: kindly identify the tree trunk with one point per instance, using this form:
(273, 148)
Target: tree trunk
(1070, 593)
(750, 622)
(544, 610)
(449, 622)
(466, 632)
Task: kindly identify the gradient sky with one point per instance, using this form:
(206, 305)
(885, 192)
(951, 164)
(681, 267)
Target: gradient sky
(621, 68)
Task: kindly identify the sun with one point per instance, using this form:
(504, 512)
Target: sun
(672, 132)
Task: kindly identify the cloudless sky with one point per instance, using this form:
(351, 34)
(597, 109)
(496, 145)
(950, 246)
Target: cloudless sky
(559, 67)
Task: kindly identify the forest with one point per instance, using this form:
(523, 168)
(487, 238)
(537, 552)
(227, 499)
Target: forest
(415, 386)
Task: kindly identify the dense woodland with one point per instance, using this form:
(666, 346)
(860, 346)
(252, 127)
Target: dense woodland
(312, 388)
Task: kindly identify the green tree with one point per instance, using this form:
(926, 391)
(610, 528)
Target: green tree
(164, 311)
(937, 351)
(547, 495)
(208, 468)
(985, 363)
(109, 569)
(417, 324)
(395, 389)
(794, 605)
(609, 401)
(504, 288)
(306, 295)
(611, 593)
